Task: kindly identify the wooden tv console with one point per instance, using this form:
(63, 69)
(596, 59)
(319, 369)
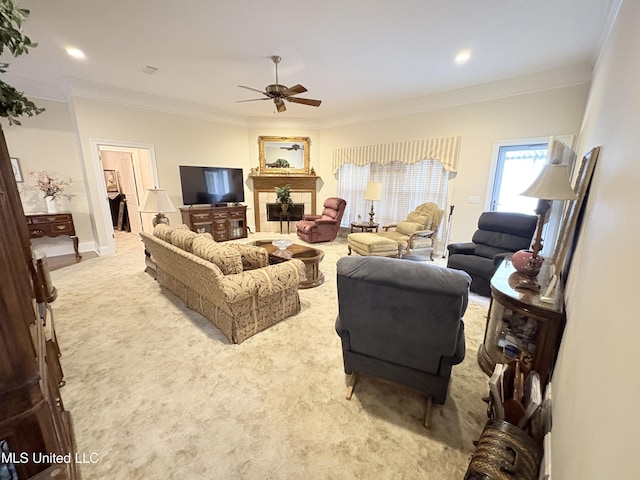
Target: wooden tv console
(223, 223)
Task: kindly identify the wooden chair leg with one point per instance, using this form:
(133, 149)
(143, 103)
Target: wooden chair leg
(428, 411)
(351, 383)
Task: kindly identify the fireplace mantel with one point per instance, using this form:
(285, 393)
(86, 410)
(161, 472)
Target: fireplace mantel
(267, 183)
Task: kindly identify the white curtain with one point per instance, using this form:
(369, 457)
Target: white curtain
(411, 173)
(404, 187)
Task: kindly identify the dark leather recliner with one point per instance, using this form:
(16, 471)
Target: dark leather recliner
(402, 321)
(499, 235)
(325, 227)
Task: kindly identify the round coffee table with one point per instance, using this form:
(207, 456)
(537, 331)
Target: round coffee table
(311, 257)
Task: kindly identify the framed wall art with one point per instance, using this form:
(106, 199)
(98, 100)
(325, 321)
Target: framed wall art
(17, 172)
(569, 226)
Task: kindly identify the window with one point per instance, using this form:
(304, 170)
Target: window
(404, 187)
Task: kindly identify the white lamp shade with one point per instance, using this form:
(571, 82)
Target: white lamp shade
(373, 191)
(551, 184)
(157, 201)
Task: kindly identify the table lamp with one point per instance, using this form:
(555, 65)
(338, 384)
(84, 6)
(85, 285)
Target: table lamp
(158, 201)
(551, 184)
(373, 192)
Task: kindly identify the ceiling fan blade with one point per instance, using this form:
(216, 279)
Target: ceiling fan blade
(252, 89)
(305, 101)
(280, 106)
(295, 90)
(252, 100)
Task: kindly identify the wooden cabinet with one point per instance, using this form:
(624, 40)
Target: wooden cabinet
(521, 322)
(223, 223)
(53, 225)
(33, 420)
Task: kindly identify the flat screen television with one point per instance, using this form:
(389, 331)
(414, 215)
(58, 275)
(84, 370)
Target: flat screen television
(211, 185)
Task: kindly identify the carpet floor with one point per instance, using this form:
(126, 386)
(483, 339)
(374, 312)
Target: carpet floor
(157, 392)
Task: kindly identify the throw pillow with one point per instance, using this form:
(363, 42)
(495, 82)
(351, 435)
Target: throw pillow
(163, 232)
(409, 228)
(417, 217)
(225, 257)
(183, 239)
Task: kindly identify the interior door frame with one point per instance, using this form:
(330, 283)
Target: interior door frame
(96, 145)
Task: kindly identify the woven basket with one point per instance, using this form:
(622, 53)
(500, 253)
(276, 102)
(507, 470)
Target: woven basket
(504, 452)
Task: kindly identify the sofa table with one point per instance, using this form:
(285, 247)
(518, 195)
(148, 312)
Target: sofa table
(53, 225)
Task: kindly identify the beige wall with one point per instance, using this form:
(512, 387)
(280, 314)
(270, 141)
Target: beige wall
(49, 142)
(596, 386)
(177, 140)
(480, 124)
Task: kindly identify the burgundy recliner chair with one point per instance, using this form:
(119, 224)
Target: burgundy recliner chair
(323, 228)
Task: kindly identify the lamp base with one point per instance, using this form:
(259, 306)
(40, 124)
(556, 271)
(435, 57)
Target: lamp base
(160, 218)
(371, 215)
(527, 262)
(528, 283)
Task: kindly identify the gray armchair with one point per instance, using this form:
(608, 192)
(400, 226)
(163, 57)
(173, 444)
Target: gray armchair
(499, 235)
(402, 321)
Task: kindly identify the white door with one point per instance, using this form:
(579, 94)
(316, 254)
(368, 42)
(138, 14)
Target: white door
(516, 168)
(517, 165)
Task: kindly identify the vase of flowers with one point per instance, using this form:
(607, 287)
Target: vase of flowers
(53, 188)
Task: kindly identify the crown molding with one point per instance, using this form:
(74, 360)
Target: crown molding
(541, 81)
(548, 80)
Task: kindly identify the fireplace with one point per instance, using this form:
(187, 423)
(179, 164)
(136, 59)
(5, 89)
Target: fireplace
(303, 191)
(295, 211)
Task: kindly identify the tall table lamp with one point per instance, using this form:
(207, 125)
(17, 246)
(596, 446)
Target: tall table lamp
(373, 192)
(158, 201)
(551, 184)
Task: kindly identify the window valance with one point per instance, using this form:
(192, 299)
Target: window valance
(446, 150)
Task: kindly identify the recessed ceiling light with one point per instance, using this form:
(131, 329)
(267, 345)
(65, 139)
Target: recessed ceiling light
(463, 57)
(75, 53)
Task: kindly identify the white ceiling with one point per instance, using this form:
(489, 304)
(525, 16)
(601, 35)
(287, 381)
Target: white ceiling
(360, 57)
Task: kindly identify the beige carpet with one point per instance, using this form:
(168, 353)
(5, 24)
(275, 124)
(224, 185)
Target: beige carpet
(158, 393)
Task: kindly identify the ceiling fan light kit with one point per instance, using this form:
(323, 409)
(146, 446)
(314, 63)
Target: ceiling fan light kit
(279, 93)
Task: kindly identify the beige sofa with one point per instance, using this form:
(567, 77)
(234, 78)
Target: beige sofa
(230, 284)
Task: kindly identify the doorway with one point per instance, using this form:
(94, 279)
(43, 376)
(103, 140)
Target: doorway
(516, 164)
(128, 171)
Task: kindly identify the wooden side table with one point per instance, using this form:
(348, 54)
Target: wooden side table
(284, 216)
(520, 319)
(53, 225)
(365, 227)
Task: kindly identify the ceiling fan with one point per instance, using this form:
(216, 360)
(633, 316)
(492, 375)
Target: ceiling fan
(280, 93)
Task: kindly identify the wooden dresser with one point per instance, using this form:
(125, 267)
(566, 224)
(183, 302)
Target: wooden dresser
(53, 225)
(223, 223)
(33, 419)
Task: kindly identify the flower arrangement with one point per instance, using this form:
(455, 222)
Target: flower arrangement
(51, 187)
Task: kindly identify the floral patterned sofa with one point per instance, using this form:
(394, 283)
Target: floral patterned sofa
(231, 284)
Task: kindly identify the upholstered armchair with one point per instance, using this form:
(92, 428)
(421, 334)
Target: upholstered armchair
(325, 227)
(416, 235)
(499, 235)
(401, 321)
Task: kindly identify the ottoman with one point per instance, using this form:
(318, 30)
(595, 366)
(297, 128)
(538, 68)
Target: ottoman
(367, 243)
